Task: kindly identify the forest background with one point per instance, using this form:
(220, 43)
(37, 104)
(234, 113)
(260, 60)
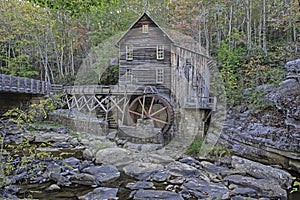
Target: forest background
(250, 40)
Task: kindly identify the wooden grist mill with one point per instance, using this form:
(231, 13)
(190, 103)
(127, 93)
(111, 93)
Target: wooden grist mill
(160, 72)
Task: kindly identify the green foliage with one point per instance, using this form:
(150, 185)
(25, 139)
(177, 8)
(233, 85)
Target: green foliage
(220, 151)
(35, 112)
(296, 186)
(110, 76)
(28, 154)
(240, 72)
(217, 150)
(194, 148)
(228, 60)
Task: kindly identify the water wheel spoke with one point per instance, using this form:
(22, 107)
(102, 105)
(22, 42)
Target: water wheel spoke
(159, 120)
(151, 105)
(160, 110)
(136, 113)
(143, 107)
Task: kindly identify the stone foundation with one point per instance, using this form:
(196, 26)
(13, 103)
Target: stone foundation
(9, 101)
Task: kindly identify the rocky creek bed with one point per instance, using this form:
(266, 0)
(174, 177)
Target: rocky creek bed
(56, 163)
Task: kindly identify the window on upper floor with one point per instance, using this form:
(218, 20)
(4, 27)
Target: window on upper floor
(129, 52)
(159, 75)
(145, 28)
(160, 52)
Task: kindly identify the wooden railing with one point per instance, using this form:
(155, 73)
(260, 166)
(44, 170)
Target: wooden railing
(23, 85)
(109, 89)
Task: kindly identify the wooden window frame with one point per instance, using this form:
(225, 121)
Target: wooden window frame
(129, 52)
(129, 75)
(145, 28)
(159, 75)
(160, 52)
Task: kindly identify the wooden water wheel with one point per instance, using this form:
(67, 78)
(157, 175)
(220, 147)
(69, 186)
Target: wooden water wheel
(152, 107)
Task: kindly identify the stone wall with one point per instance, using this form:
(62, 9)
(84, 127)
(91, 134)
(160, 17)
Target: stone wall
(10, 101)
(77, 123)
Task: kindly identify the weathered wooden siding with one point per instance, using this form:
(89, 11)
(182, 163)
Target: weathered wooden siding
(145, 62)
(190, 76)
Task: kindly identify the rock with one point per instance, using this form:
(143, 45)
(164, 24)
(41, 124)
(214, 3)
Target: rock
(87, 154)
(141, 170)
(156, 194)
(62, 144)
(53, 187)
(245, 191)
(191, 161)
(203, 189)
(293, 68)
(140, 185)
(241, 198)
(142, 147)
(101, 193)
(19, 177)
(111, 135)
(181, 169)
(267, 188)
(232, 186)
(53, 168)
(59, 179)
(210, 167)
(72, 161)
(157, 158)
(177, 181)
(161, 176)
(103, 173)
(260, 171)
(51, 137)
(185, 194)
(83, 179)
(114, 156)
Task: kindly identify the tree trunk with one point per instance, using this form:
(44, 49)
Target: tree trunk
(264, 28)
(230, 21)
(249, 27)
(206, 37)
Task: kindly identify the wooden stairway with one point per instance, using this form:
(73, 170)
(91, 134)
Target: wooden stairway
(108, 117)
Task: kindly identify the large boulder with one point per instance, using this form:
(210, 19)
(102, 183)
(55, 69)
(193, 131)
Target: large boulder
(101, 193)
(156, 194)
(269, 133)
(114, 156)
(258, 170)
(203, 189)
(267, 188)
(141, 170)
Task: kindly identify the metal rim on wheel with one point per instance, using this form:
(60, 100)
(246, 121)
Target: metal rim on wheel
(152, 107)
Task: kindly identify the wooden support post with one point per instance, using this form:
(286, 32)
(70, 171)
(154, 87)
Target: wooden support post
(215, 104)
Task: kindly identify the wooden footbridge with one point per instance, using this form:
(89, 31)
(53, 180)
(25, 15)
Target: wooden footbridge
(21, 85)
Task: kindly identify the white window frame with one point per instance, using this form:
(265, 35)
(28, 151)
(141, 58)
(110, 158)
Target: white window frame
(159, 75)
(129, 74)
(145, 28)
(129, 52)
(160, 51)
